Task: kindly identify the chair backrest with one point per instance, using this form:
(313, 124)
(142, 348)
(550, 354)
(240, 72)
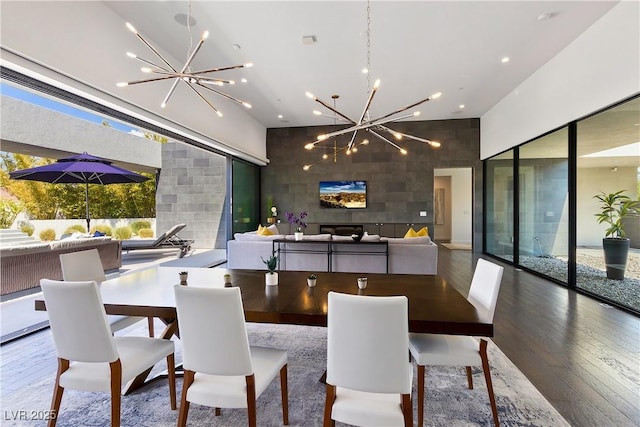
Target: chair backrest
(485, 285)
(82, 266)
(78, 321)
(213, 331)
(367, 343)
(168, 234)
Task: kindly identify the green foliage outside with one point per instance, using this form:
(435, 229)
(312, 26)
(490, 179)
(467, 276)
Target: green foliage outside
(9, 209)
(136, 226)
(43, 200)
(145, 232)
(103, 228)
(75, 228)
(48, 235)
(122, 233)
(27, 228)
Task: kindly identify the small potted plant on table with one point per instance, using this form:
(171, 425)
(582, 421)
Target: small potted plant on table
(271, 278)
(311, 280)
(615, 207)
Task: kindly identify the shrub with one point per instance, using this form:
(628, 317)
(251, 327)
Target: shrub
(75, 228)
(145, 232)
(122, 233)
(103, 228)
(48, 235)
(9, 209)
(27, 228)
(136, 226)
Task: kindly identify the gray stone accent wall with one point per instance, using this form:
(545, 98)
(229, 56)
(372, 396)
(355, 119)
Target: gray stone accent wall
(398, 186)
(192, 189)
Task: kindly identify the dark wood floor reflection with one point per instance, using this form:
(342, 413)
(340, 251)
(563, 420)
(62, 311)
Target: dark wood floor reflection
(582, 355)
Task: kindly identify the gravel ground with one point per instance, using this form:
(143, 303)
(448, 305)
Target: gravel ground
(592, 274)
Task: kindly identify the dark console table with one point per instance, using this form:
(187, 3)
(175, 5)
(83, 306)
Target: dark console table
(332, 247)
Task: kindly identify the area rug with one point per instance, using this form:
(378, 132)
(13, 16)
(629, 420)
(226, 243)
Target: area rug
(448, 402)
(457, 246)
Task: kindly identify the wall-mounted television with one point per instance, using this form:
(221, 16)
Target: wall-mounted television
(343, 194)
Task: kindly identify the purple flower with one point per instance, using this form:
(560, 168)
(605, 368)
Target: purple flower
(297, 220)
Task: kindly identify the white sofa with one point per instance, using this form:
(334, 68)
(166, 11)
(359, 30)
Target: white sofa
(417, 255)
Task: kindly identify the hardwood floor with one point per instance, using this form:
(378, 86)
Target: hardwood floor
(582, 355)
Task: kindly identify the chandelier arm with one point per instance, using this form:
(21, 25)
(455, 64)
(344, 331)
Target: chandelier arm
(156, 79)
(153, 65)
(329, 107)
(353, 138)
(223, 94)
(186, 65)
(173, 87)
(385, 139)
(214, 70)
(338, 118)
(151, 47)
(417, 138)
(403, 109)
(368, 104)
(204, 99)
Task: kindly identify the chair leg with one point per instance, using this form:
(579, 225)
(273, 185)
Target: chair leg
(285, 395)
(487, 377)
(171, 369)
(116, 391)
(63, 365)
(421, 374)
(151, 326)
(330, 398)
(184, 403)
(469, 377)
(217, 412)
(407, 410)
(251, 400)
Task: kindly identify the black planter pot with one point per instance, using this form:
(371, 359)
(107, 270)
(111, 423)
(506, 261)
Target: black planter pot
(615, 257)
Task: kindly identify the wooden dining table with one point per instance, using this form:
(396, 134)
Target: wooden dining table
(435, 306)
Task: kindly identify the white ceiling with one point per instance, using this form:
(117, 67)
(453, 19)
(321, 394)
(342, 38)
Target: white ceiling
(417, 48)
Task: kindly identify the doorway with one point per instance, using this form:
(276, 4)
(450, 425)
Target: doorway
(453, 205)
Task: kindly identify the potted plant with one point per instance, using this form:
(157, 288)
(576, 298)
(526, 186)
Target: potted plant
(227, 279)
(272, 211)
(271, 278)
(183, 277)
(297, 222)
(614, 207)
(311, 280)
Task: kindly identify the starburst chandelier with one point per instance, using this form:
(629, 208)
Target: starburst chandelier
(194, 80)
(376, 127)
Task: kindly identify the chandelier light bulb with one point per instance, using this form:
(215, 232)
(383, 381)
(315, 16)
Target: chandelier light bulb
(219, 113)
(132, 55)
(306, 167)
(246, 104)
(376, 84)
(365, 70)
(403, 151)
(435, 144)
(232, 82)
(322, 137)
(122, 84)
(348, 152)
(309, 146)
(398, 135)
(163, 105)
(205, 36)
(145, 69)
(416, 114)
(131, 28)
(248, 65)
(365, 141)
(325, 156)
(317, 113)
(436, 95)
(354, 149)
(310, 95)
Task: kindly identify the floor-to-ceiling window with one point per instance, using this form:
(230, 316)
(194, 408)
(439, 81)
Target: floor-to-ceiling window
(543, 205)
(499, 235)
(539, 218)
(608, 161)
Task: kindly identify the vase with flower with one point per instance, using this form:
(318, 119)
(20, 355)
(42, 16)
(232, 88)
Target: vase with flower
(297, 221)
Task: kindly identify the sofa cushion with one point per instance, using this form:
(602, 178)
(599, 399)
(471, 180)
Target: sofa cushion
(422, 240)
(253, 236)
(424, 231)
(410, 233)
(264, 231)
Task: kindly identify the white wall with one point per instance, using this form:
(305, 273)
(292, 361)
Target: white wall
(88, 43)
(600, 68)
(461, 203)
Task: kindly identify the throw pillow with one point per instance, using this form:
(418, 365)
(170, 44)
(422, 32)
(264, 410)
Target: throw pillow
(264, 231)
(410, 233)
(424, 231)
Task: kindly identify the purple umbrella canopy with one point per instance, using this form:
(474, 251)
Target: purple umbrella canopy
(80, 169)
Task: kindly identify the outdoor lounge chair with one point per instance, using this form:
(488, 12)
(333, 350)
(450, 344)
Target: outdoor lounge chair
(167, 240)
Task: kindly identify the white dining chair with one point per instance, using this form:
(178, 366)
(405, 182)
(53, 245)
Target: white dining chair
(86, 265)
(460, 350)
(90, 358)
(369, 376)
(221, 370)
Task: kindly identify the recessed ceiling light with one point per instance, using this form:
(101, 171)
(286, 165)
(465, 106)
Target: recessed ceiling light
(461, 106)
(505, 60)
(545, 16)
(280, 116)
(308, 40)
(181, 18)
(236, 46)
(243, 80)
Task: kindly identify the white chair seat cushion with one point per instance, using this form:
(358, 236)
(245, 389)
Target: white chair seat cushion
(231, 391)
(367, 409)
(118, 322)
(444, 350)
(136, 355)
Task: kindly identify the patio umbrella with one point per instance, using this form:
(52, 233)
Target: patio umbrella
(80, 169)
